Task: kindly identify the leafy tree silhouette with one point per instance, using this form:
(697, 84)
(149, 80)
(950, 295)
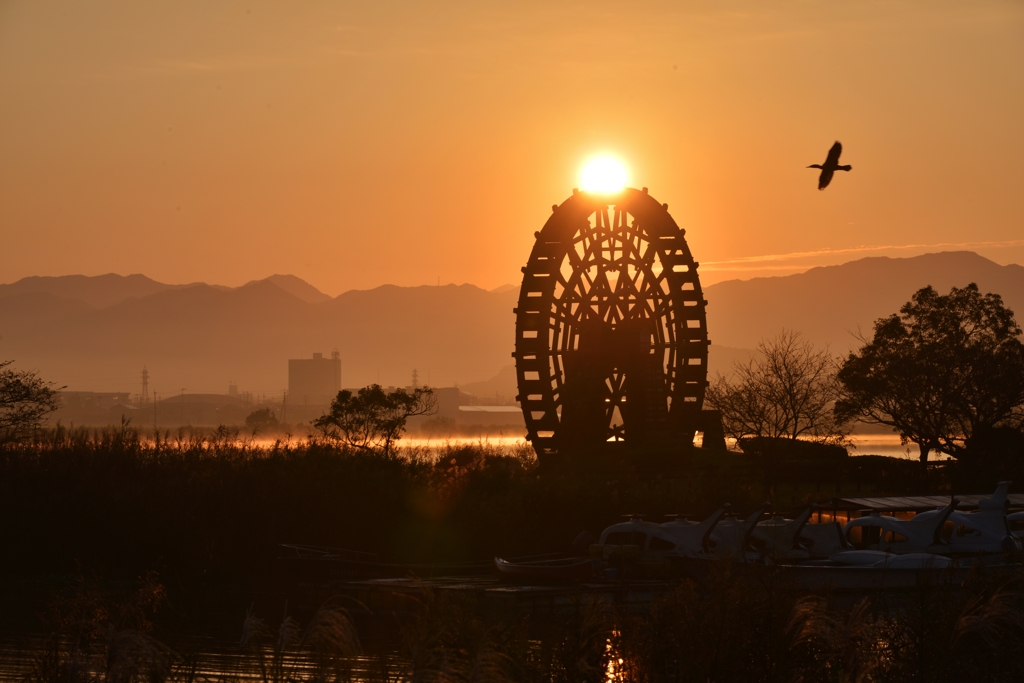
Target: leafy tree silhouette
(943, 369)
(262, 421)
(374, 419)
(25, 402)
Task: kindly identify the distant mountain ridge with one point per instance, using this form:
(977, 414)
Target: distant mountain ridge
(98, 291)
(828, 305)
(103, 291)
(296, 287)
(96, 333)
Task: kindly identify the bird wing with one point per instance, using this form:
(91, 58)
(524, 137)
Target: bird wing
(833, 154)
(825, 178)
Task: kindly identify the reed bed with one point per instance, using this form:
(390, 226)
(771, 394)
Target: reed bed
(215, 506)
(724, 631)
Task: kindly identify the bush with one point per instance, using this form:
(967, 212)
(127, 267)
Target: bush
(792, 450)
(262, 421)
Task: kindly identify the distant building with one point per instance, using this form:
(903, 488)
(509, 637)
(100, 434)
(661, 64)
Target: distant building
(94, 399)
(121, 412)
(90, 407)
(196, 410)
(314, 381)
(448, 400)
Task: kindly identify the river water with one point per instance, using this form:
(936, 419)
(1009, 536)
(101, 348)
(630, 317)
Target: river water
(861, 444)
(199, 660)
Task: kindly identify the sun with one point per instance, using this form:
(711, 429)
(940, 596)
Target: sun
(603, 175)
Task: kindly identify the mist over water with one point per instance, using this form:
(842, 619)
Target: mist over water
(860, 444)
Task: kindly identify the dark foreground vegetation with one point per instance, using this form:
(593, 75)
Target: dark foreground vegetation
(212, 508)
(724, 631)
(117, 544)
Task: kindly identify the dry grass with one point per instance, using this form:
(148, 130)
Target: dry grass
(724, 631)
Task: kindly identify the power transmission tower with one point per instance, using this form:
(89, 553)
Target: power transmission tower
(145, 385)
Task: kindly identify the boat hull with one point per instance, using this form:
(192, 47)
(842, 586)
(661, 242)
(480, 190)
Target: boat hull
(858, 578)
(544, 572)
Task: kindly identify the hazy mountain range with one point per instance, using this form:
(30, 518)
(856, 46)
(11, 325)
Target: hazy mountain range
(828, 305)
(95, 333)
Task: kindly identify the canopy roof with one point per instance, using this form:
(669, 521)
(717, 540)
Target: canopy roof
(920, 503)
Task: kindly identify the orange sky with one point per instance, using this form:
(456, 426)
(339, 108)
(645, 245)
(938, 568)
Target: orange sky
(355, 144)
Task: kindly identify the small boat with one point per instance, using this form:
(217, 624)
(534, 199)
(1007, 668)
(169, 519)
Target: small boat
(551, 571)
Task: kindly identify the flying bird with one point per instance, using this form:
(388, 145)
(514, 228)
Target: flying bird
(830, 166)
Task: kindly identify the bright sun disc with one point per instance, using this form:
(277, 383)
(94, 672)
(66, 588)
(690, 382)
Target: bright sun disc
(603, 175)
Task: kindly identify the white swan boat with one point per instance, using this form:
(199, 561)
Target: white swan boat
(902, 553)
(985, 531)
(722, 535)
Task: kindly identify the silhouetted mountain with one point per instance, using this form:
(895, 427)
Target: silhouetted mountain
(829, 304)
(502, 385)
(504, 288)
(102, 291)
(297, 287)
(201, 336)
(451, 333)
(99, 291)
(25, 310)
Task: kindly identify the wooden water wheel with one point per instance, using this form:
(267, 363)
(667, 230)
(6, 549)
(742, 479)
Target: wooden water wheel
(611, 329)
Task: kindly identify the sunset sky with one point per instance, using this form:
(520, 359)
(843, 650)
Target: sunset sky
(357, 144)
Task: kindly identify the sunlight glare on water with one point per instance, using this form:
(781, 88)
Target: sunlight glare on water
(860, 444)
(614, 670)
(438, 442)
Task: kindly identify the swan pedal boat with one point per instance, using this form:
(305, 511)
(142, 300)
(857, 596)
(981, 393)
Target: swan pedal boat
(906, 551)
